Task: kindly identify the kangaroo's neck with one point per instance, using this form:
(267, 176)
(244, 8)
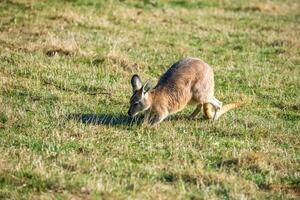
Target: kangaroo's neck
(168, 99)
(151, 97)
(158, 97)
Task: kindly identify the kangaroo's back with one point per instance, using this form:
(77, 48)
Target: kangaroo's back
(184, 69)
(189, 80)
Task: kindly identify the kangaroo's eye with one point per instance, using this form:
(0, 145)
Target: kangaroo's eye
(136, 103)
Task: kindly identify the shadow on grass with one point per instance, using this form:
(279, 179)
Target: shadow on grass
(113, 120)
(105, 119)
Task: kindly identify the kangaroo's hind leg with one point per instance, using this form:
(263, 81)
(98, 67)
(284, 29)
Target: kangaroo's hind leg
(217, 105)
(196, 112)
(216, 100)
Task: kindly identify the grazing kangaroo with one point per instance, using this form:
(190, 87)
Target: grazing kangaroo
(188, 81)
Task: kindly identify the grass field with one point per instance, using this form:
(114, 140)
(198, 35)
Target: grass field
(65, 69)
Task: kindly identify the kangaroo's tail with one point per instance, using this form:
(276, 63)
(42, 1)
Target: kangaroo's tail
(209, 110)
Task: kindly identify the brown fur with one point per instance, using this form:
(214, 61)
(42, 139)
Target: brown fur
(209, 111)
(188, 81)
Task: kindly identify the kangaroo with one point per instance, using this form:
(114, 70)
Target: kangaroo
(188, 81)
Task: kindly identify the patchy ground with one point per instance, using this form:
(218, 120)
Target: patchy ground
(65, 68)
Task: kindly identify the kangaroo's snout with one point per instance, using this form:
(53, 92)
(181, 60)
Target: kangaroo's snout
(129, 113)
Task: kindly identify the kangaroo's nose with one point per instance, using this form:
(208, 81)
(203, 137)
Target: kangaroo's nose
(129, 113)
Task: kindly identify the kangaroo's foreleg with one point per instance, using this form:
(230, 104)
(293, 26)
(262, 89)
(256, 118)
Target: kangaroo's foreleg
(196, 112)
(154, 118)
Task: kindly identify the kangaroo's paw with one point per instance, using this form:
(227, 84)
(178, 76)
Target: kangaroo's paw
(155, 119)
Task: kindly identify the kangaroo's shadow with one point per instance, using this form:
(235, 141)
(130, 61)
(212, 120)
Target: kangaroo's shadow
(105, 119)
(118, 119)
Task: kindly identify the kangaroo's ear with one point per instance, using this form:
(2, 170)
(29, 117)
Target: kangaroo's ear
(136, 82)
(146, 87)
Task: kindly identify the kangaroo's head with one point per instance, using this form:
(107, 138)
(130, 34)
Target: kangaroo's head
(139, 100)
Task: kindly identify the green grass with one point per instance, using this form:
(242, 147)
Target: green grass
(65, 68)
